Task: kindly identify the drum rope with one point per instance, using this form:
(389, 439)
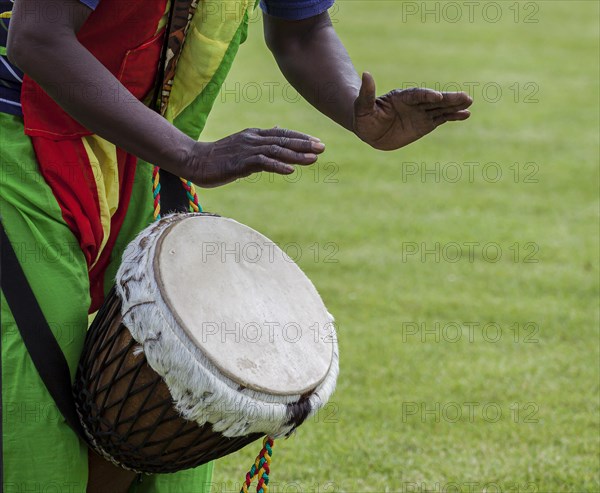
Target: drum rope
(156, 192)
(190, 190)
(260, 468)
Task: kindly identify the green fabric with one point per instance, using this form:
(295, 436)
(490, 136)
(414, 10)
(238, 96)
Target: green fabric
(41, 453)
(210, 36)
(192, 119)
(40, 450)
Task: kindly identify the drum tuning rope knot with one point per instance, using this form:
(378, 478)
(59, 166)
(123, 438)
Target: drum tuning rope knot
(260, 468)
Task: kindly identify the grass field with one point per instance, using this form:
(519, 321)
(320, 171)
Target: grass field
(467, 301)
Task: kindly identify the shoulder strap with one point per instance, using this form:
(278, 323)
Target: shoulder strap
(173, 197)
(39, 340)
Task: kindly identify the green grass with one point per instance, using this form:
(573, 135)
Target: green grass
(361, 203)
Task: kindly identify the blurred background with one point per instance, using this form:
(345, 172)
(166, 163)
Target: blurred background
(462, 270)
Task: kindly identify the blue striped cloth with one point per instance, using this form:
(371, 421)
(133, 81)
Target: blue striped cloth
(10, 77)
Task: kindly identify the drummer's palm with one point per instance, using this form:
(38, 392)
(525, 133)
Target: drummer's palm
(400, 117)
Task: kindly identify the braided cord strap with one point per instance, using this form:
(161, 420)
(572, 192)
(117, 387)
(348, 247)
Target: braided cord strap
(156, 192)
(261, 468)
(192, 196)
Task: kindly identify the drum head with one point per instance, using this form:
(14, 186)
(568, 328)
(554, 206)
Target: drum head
(247, 306)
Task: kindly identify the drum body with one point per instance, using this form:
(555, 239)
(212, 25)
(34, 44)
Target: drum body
(211, 338)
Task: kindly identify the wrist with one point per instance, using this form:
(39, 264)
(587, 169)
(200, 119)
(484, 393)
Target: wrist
(194, 163)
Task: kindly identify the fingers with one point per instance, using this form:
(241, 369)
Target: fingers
(284, 133)
(274, 150)
(457, 97)
(418, 95)
(286, 155)
(253, 150)
(449, 109)
(452, 117)
(365, 102)
(298, 145)
(452, 99)
(265, 163)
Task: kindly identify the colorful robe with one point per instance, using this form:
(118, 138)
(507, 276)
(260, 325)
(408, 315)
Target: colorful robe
(71, 201)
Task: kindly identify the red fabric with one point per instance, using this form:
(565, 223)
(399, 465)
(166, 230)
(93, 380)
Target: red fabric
(121, 34)
(65, 166)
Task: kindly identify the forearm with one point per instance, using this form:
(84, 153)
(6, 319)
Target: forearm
(49, 52)
(314, 60)
(86, 90)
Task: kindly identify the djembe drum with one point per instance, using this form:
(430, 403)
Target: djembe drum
(211, 338)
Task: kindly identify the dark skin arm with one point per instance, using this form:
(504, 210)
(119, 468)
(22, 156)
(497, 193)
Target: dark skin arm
(314, 60)
(50, 53)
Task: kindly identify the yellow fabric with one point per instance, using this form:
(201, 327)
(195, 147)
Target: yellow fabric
(211, 31)
(103, 161)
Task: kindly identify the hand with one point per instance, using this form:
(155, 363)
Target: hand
(400, 117)
(252, 151)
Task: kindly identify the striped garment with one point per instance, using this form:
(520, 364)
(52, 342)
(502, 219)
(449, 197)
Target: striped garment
(11, 77)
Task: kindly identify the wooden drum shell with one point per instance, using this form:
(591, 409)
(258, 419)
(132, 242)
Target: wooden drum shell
(127, 409)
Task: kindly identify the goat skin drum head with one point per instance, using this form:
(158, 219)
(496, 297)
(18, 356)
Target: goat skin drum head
(248, 307)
